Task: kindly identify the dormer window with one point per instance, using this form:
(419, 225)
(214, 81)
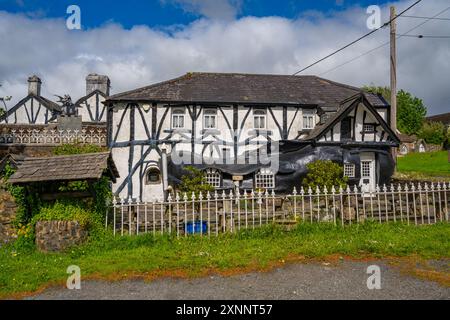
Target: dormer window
(209, 119)
(178, 118)
(369, 128)
(309, 119)
(259, 119)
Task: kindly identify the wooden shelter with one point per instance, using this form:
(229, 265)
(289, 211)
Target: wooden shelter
(48, 174)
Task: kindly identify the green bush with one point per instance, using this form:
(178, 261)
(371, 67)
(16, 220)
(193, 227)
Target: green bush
(324, 173)
(194, 182)
(433, 132)
(68, 149)
(65, 210)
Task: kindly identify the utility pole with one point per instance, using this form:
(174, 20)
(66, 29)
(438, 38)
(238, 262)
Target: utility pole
(393, 61)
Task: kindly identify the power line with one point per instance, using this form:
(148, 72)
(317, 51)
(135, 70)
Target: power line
(431, 18)
(359, 39)
(384, 44)
(420, 36)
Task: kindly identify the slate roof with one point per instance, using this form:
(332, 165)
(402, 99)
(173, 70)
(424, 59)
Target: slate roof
(65, 168)
(406, 138)
(240, 88)
(345, 107)
(444, 118)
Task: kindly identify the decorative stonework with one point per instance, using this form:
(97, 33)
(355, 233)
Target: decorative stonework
(53, 137)
(52, 236)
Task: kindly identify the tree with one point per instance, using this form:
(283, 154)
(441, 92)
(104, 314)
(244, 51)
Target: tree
(324, 173)
(194, 182)
(410, 110)
(411, 113)
(433, 132)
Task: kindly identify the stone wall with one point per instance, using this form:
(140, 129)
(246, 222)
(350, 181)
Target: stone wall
(26, 151)
(54, 236)
(8, 209)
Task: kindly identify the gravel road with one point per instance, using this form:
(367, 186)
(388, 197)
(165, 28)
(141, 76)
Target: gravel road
(346, 280)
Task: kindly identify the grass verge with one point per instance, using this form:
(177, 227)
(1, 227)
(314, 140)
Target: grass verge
(433, 164)
(114, 258)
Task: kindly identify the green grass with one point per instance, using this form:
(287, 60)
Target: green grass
(430, 163)
(23, 271)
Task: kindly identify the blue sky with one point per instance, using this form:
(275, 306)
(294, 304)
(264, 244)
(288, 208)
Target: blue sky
(169, 12)
(140, 42)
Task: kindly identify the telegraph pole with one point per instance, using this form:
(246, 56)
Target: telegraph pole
(393, 61)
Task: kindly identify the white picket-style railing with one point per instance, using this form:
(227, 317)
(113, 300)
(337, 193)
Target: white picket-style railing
(53, 136)
(218, 212)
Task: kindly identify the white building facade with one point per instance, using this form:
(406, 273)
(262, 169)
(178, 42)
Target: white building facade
(245, 132)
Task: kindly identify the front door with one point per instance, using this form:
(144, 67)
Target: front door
(368, 180)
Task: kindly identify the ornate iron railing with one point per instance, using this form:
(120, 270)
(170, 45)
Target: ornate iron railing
(214, 213)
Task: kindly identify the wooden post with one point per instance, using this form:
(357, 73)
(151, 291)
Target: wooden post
(393, 61)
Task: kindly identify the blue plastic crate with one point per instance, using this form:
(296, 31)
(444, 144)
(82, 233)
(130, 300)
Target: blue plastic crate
(197, 227)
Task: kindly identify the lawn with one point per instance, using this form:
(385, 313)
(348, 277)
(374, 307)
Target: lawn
(431, 163)
(107, 257)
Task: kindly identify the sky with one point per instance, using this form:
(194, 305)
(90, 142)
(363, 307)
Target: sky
(137, 43)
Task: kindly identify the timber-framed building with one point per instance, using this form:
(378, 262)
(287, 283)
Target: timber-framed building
(217, 121)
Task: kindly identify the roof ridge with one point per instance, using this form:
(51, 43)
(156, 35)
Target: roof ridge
(68, 156)
(117, 95)
(250, 74)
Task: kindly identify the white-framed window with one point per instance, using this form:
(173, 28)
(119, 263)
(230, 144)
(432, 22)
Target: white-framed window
(369, 128)
(366, 168)
(264, 179)
(178, 115)
(309, 119)
(209, 119)
(153, 176)
(213, 177)
(259, 119)
(349, 170)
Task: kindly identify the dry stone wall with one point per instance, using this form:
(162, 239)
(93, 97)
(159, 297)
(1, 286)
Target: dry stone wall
(53, 236)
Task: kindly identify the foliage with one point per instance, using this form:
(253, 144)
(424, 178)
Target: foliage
(194, 182)
(410, 113)
(2, 111)
(25, 237)
(65, 210)
(433, 132)
(385, 92)
(26, 198)
(115, 257)
(324, 173)
(74, 186)
(430, 163)
(30, 208)
(410, 110)
(103, 196)
(68, 149)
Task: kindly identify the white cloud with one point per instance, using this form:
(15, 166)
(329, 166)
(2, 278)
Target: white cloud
(141, 56)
